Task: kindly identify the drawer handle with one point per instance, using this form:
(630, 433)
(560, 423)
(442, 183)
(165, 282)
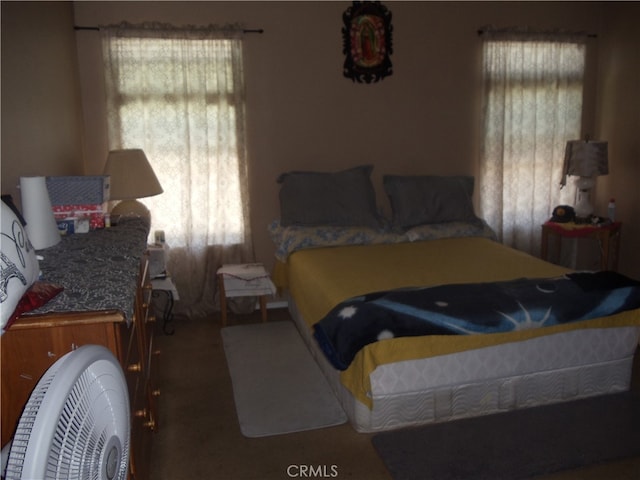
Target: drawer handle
(156, 392)
(144, 413)
(150, 424)
(135, 367)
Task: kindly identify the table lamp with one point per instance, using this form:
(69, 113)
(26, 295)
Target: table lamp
(131, 178)
(586, 160)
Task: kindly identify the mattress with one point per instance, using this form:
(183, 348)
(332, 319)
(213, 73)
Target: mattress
(412, 381)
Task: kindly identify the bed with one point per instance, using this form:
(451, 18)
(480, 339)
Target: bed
(397, 381)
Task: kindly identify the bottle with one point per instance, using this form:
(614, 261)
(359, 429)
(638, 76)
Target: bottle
(612, 210)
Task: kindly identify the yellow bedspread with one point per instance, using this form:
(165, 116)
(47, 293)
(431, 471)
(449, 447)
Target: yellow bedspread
(318, 279)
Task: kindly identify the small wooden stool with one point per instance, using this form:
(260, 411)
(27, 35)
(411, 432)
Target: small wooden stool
(244, 280)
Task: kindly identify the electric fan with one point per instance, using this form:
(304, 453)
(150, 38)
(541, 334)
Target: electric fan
(76, 424)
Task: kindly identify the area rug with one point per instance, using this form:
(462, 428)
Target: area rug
(516, 445)
(277, 386)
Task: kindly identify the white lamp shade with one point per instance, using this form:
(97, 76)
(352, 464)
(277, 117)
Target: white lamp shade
(131, 175)
(41, 227)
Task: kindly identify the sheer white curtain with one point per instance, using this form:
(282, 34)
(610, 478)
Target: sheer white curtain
(178, 93)
(533, 88)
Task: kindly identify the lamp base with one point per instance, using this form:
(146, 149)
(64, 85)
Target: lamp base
(583, 207)
(130, 208)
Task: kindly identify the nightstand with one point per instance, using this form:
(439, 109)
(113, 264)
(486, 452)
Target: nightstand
(244, 280)
(607, 235)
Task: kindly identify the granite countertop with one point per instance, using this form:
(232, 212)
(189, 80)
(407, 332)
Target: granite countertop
(98, 270)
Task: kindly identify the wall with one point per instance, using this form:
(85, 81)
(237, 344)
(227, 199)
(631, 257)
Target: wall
(619, 124)
(41, 114)
(303, 114)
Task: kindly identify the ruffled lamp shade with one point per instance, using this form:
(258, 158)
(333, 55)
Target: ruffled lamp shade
(586, 160)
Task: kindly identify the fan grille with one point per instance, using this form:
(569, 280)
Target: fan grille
(76, 423)
(25, 426)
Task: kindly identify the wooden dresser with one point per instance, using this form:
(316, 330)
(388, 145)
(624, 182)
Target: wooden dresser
(106, 301)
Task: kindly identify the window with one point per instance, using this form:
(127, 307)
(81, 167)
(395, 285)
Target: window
(533, 105)
(178, 94)
(181, 100)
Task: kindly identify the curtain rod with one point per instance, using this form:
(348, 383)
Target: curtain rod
(80, 27)
(482, 31)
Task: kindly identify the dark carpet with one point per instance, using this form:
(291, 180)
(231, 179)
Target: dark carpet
(516, 445)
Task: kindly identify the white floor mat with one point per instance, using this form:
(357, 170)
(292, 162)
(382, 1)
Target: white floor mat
(277, 386)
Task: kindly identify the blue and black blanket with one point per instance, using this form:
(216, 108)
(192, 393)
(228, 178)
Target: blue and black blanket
(460, 309)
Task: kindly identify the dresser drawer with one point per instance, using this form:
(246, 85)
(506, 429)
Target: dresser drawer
(29, 348)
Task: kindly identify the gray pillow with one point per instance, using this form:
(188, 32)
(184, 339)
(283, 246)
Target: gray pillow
(426, 199)
(345, 198)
